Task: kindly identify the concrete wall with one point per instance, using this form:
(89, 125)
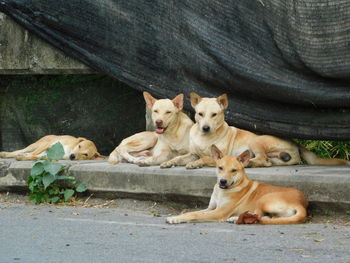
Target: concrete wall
(23, 53)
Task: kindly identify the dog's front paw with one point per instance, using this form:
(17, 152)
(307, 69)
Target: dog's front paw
(167, 164)
(2, 154)
(133, 159)
(21, 157)
(113, 159)
(194, 165)
(113, 162)
(143, 163)
(232, 219)
(255, 164)
(174, 220)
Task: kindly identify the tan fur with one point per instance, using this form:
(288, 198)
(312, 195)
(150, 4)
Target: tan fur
(74, 148)
(133, 143)
(266, 150)
(273, 204)
(170, 139)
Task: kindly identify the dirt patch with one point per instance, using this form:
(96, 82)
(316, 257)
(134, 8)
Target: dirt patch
(164, 209)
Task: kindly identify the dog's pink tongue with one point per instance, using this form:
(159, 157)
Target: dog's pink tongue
(159, 130)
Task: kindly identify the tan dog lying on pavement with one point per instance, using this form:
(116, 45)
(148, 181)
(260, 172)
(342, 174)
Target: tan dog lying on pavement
(235, 194)
(210, 128)
(74, 149)
(170, 139)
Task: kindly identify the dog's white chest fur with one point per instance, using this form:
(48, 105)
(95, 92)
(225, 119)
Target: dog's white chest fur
(221, 199)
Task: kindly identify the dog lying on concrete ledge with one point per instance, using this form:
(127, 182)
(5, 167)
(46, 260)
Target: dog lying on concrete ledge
(170, 138)
(236, 197)
(74, 149)
(211, 128)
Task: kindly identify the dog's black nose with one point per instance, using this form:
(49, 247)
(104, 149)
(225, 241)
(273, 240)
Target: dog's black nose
(223, 181)
(206, 128)
(72, 156)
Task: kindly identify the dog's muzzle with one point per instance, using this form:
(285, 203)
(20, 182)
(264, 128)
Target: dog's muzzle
(159, 126)
(160, 130)
(223, 183)
(205, 128)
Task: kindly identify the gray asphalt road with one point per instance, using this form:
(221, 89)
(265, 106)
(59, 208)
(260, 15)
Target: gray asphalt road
(68, 234)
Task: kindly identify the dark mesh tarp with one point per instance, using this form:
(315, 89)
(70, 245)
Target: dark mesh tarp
(285, 64)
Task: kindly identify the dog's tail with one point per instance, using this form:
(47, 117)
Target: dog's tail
(298, 218)
(312, 158)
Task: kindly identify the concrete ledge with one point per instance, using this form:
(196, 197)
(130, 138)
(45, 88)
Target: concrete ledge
(322, 185)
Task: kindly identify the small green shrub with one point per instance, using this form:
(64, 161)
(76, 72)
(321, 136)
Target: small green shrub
(46, 182)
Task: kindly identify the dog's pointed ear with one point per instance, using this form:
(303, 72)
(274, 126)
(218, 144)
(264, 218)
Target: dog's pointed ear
(195, 99)
(149, 99)
(216, 153)
(244, 157)
(179, 101)
(223, 101)
(80, 139)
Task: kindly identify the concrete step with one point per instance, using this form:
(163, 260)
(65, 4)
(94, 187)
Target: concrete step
(323, 186)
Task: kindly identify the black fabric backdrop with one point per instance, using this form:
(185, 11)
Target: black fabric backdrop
(284, 64)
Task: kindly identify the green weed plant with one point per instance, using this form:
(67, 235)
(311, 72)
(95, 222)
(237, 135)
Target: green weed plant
(328, 149)
(47, 182)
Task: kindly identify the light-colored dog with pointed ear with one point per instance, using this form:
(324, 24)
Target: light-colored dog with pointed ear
(211, 128)
(74, 149)
(170, 138)
(235, 194)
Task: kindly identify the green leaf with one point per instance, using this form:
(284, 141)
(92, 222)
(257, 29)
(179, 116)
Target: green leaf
(30, 179)
(347, 212)
(48, 179)
(47, 161)
(37, 169)
(38, 197)
(68, 193)
(38, 180)
(53, 168)
(54, 199)
(31, 186)
(64, 177)
(32, 197)
(55, 152)
(54, 192)
(81, 188)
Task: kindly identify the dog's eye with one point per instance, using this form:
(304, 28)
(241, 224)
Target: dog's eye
(167, 112)
(200, 114)
(85, 154)
(233, 170)
(79, 147)
(156, 111)
(214, 114)
(220, 168)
